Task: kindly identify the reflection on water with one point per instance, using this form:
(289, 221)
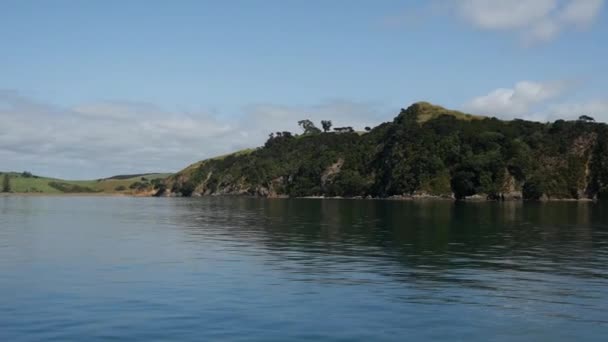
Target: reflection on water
(241, 268)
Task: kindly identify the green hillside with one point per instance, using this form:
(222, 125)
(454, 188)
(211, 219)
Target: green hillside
(425, 151)
(129, 184)
(426, 111)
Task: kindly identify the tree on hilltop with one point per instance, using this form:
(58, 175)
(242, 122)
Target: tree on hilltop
(308, 127)
(344, 130)
(326, 125)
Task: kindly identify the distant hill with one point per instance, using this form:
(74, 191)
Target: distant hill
(425, 151)
(126, 184)
(134, 176)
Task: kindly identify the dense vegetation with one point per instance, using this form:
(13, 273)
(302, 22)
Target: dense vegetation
(426, 151)
(6, 183)
(71, 188)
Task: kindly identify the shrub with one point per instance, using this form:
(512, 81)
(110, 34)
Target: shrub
(71, 188)
(463, 185)
(533, 190)
(6, 183)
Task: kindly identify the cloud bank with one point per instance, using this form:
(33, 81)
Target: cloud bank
(538, 101)
(536, 21)
(533, 21)
(519, 100)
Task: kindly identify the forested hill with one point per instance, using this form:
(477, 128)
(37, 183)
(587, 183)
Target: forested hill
(425, 151)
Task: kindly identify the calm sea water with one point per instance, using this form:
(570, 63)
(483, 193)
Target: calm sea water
(93, 268)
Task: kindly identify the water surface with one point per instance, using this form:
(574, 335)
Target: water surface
(94, 268)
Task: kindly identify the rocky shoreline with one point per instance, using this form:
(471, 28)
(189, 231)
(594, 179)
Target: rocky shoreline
(415, 197)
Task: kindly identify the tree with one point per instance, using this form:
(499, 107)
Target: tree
(463, 185)
(586, 118)
(349, 183)
(344, 130)
(6, 183)
(367, 129)
(308, 127)
(533, 189)
(326, 125)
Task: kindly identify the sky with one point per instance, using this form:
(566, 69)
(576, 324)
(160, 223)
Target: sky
(90, 89)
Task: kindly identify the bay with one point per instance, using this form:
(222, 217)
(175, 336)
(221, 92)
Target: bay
(231, 268)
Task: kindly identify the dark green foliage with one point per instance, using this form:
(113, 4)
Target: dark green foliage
(120, 188)
(139, 186)
(533, 189)
(158, 185)
(463, 184)
(26, 174)
(308, 127)
(425, 149)
(135, 185)
(122, 177)
(349, 183)
(187, 189)
(6, 183)
(326, 125)
(71, 188)
(598, 167)
(156, 182)
(344, 130)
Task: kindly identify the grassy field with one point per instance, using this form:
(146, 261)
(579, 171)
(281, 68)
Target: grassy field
(196, 165)
(22, 183)
(427, 111)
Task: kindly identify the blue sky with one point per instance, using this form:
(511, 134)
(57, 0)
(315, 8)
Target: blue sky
(89, 89)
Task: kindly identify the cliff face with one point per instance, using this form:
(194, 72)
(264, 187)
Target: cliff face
(426, 151)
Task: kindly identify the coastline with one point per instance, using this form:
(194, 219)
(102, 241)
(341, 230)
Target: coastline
(472, 199)
(418, 198)
(75, 194)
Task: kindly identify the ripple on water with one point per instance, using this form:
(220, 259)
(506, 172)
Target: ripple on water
(234, 268)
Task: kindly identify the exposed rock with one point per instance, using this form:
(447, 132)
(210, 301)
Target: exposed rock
(511, 189)
(331, 171)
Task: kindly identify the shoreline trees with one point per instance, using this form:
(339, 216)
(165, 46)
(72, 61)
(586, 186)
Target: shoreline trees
(6, 183)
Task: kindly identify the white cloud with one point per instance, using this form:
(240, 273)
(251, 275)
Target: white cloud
(543, 31)
(581, 12)
(597, 109)
(537, 101)
(102, 139)
(517, 101)
(536, 21)
(505, 14)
